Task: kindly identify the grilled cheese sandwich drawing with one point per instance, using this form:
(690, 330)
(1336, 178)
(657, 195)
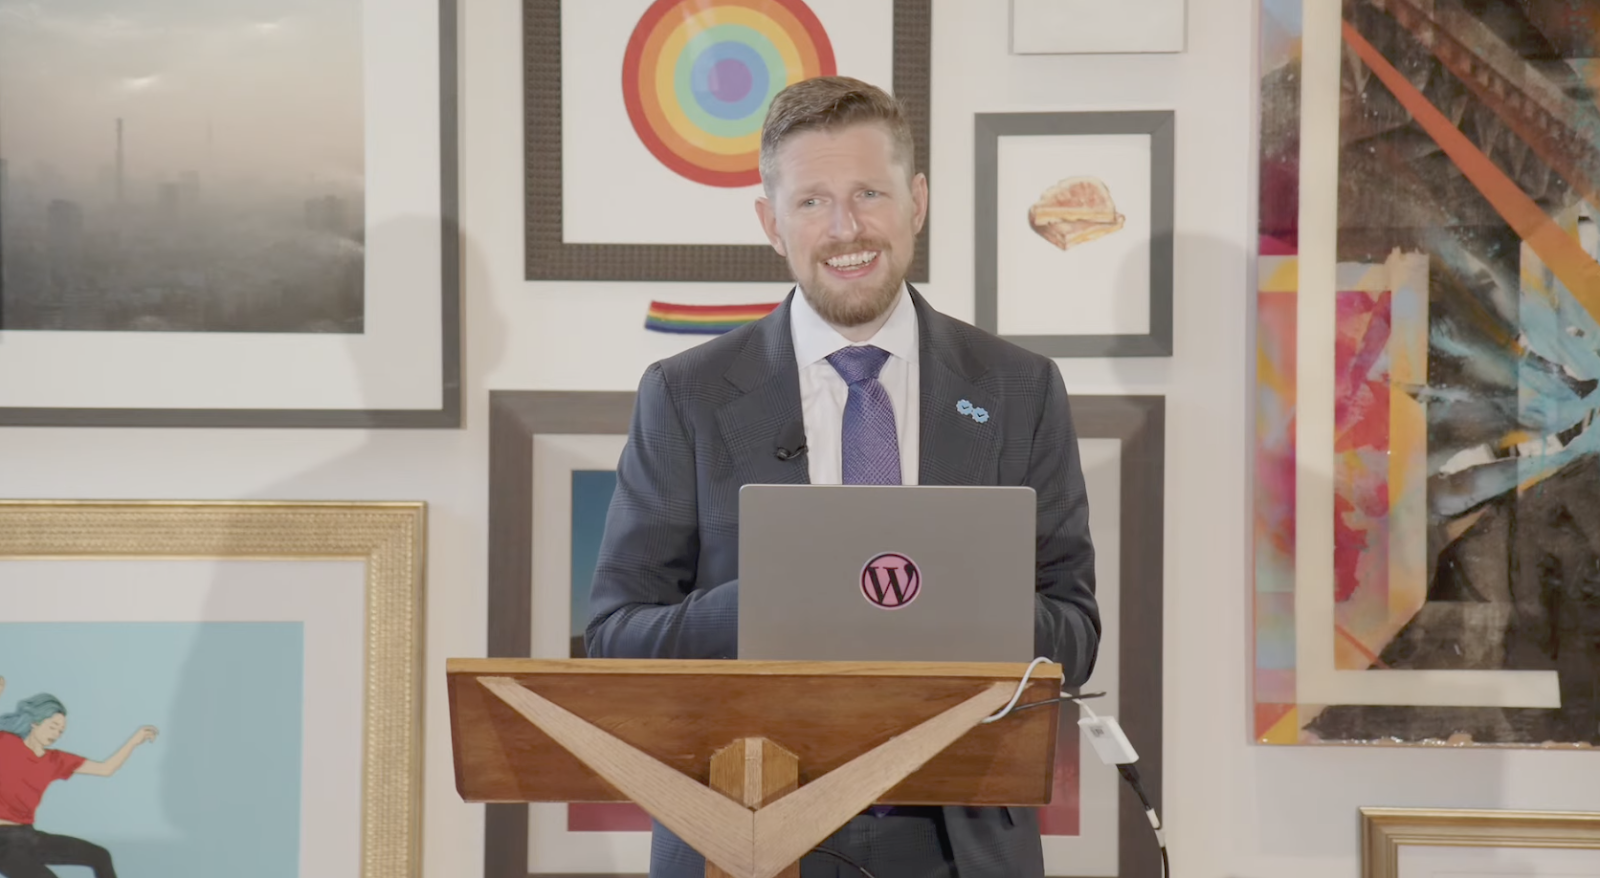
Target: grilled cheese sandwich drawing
(1075, 211)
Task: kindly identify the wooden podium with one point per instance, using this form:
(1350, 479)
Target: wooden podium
(751, 763)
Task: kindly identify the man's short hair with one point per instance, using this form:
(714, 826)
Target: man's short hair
(829, 103)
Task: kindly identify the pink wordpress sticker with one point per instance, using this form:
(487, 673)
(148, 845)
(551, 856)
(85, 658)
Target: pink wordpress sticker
(891, 581)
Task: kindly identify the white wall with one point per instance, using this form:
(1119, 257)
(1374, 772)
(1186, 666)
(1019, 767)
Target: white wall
(1233, 808)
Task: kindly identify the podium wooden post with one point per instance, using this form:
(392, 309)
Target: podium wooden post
(751, 763)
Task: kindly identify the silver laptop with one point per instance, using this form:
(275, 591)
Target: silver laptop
(886, 573)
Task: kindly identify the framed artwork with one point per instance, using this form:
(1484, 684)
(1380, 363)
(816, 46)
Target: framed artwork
(209, 219)
(233, 682)
(1073, 235)
(546, 448)
(1085, 27)
(1419, 843)
(642, 125)
(552, 458)
(1425, 468)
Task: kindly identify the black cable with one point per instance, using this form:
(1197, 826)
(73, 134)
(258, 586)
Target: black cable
(847, 861)
(1130, 773)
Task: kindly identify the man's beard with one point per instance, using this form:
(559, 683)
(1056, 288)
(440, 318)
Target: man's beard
(857, 305)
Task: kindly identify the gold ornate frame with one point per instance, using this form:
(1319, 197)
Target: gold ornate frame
(1385, 830)
(389, 537)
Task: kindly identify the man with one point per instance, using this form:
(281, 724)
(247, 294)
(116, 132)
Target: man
(875, 376)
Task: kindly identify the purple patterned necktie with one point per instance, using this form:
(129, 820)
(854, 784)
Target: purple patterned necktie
(870, 447)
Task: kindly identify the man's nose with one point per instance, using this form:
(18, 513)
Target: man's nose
(845, 225)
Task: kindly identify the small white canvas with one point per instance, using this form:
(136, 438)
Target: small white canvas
(1086, 27)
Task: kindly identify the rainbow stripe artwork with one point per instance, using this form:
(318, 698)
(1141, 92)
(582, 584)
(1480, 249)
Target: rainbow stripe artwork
(698, 76)
(1427, 426)
(703, 319)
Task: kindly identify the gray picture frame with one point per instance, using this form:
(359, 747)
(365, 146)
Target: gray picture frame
(549, 257)
(1159, 125)
(446, 416)
(516, 417)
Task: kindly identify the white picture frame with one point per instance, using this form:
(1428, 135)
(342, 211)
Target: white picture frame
(402, 369)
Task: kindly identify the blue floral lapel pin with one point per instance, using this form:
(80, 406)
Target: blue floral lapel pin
(967, 408)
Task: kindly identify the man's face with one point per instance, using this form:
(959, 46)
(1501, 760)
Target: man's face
(845, 215)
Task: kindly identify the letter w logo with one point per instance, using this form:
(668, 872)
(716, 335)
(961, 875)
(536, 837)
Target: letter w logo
(900, 591)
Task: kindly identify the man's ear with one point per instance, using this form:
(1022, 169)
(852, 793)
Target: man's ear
(769, 223)
(919, 197)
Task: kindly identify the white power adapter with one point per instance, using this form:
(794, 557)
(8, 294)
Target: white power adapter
(1109, 742)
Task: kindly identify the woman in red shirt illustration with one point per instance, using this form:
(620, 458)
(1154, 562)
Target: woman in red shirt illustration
(27, 767)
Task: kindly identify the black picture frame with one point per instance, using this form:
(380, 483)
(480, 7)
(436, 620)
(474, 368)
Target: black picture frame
(549, 257)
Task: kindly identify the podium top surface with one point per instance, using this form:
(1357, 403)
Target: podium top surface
(681, 712)
(997, 671)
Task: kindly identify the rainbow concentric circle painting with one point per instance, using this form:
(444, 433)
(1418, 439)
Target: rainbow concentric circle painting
(699, 75)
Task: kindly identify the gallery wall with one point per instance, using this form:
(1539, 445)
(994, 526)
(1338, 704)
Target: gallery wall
(1233, 808)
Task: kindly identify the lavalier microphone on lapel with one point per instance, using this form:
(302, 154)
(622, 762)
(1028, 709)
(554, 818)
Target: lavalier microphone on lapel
(791, 442)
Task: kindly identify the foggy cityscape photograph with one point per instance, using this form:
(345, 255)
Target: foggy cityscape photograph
(182, 166)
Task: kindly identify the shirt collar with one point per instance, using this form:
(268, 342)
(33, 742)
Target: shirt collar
(814, 339)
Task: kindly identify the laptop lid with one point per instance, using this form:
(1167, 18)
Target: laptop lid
(886, 573)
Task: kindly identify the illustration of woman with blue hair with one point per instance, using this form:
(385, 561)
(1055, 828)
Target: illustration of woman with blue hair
(27, 767)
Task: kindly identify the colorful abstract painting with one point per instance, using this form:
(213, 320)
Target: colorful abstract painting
(1427, 492)
(698, 76)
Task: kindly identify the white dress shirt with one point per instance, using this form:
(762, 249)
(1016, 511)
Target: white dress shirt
(823, 393)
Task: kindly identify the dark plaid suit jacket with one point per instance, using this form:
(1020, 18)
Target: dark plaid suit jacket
(705, 424)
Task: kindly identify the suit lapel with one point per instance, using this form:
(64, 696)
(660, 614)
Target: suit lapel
(957, 439)
(766, 372)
